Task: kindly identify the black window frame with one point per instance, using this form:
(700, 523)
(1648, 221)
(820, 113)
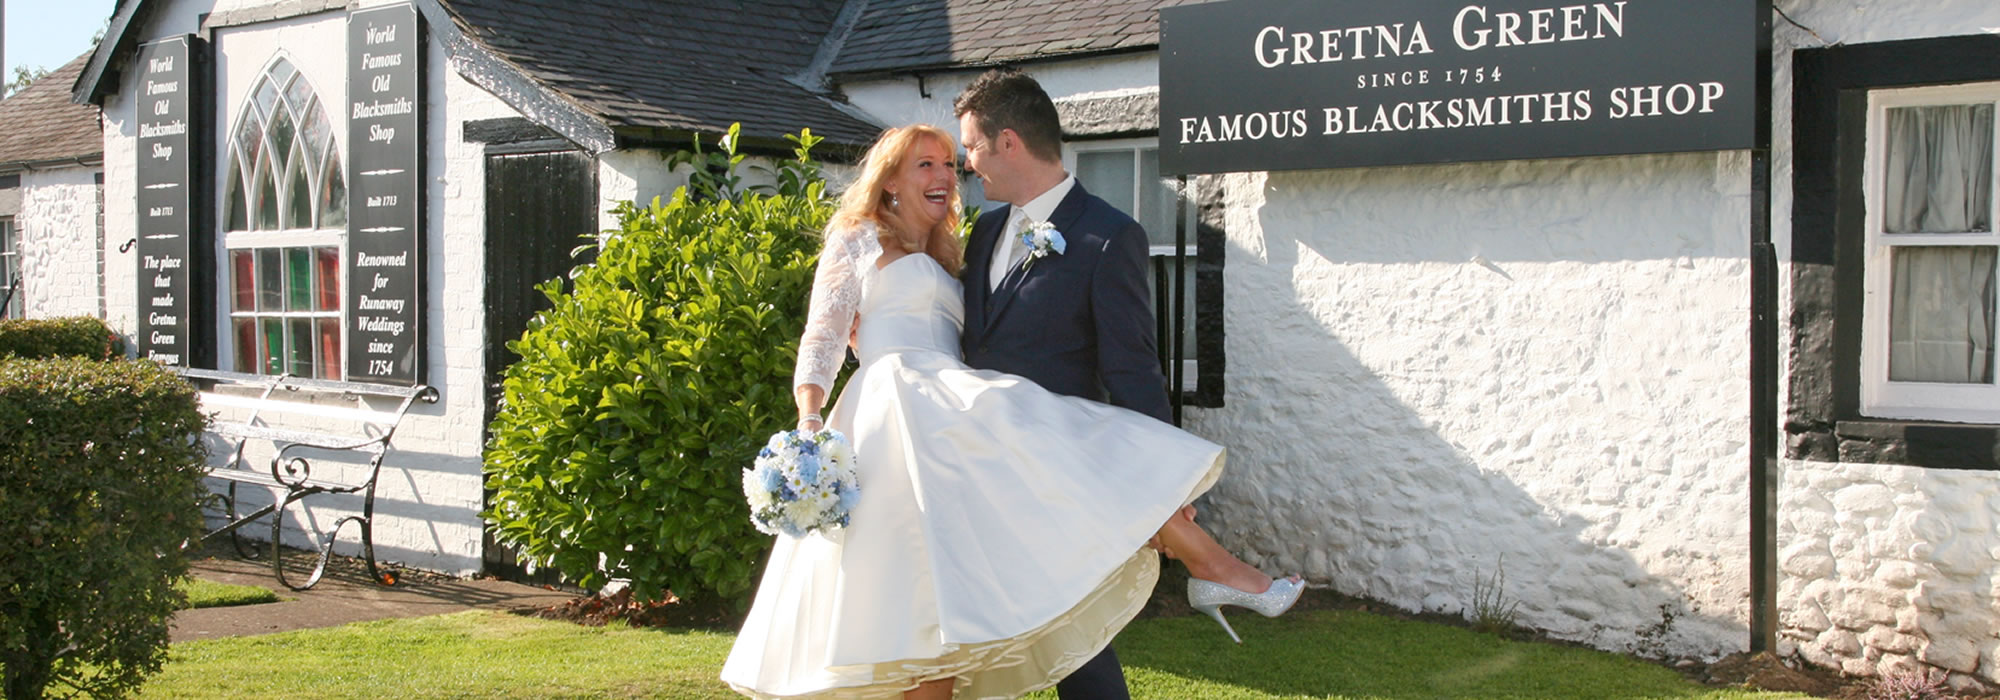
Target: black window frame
(1829, 140)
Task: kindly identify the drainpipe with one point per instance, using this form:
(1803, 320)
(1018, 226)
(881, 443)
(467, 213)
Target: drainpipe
(1763, 363)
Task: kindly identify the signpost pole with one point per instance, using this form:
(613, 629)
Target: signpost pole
(1763, 364)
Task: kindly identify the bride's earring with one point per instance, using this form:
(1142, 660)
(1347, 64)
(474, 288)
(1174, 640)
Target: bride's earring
(893, 201)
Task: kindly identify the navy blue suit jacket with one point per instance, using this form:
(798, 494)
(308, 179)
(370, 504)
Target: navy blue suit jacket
(1079, 323)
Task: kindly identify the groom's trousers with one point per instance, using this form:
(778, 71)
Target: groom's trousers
(1101, 678)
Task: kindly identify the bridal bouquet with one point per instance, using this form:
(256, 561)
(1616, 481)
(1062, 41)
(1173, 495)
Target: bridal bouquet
(802, 482)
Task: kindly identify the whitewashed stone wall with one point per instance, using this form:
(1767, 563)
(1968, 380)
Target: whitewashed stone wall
(1883, 567)
(1439, 373)
(59, 242)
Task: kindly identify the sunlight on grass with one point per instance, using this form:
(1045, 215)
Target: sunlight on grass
(1348, 655)
(209, 594)
(471, 654)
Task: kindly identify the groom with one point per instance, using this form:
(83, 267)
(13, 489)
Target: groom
(1077, 322)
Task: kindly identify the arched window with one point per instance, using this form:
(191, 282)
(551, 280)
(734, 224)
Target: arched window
(284, 217)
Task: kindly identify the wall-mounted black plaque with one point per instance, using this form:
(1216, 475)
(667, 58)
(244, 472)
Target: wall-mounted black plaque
(385, 251)
(1251, 85)
(165, 193)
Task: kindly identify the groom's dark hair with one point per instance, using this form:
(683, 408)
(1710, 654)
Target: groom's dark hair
(1006, 98)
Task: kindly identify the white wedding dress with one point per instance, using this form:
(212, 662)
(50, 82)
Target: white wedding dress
(1000, 533)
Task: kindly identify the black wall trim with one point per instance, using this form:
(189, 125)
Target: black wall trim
(1829, 120)
(507, 130)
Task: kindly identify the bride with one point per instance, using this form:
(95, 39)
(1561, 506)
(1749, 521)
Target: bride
(1000, 537)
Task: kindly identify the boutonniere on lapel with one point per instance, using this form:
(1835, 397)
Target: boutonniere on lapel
(1041, 239)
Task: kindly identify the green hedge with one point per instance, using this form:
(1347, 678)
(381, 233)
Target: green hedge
(72, 336)
(100, 471)
(619, 445)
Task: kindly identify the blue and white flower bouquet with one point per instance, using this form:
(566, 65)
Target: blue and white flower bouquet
(802, 482)
(1041, 239)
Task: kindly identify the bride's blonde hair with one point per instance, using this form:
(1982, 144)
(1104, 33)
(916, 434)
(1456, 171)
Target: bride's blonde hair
(865, 201)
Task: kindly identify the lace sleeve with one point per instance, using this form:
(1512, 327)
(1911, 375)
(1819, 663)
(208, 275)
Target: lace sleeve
(836, 299)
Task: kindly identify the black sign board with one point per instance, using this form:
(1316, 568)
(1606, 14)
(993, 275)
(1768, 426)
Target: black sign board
(165, 192)
(385, 251)
(1251, 85)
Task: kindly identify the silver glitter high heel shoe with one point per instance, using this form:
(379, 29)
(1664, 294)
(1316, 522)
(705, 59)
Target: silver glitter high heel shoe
(1209, 597)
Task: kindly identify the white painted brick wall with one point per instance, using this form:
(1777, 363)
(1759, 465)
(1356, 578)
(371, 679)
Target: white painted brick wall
(427, 507)
(58, 226)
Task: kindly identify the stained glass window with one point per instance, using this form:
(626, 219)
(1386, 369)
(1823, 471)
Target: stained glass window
(284, 199)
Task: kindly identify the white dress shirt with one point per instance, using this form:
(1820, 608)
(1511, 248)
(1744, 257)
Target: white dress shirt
(1008, 251)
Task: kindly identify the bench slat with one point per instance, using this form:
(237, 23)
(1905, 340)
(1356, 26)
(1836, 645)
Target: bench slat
(246, 476)
(298, 437)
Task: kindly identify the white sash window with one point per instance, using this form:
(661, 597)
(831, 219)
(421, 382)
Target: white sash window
(1928, 319)
(10, 270)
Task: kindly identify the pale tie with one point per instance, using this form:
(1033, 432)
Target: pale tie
(1008, 248)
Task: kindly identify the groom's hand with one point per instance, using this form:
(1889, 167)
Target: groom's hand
(1186, 513)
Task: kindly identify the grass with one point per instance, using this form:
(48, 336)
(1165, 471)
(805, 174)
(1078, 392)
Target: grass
(1320, 654)
(209, 594)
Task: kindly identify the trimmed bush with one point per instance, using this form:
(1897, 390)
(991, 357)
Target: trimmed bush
(71, 336)
(100, 471)
(619, 444)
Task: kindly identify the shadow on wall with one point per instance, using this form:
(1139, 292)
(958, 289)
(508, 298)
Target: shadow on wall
(1430, 382)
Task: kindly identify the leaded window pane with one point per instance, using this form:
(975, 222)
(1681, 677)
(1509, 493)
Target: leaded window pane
(273, 352)
(246, 345)
(266, 94)
(243, 280)
(298, 192)
(300, 337)
(329, 348)
(298, 279)
(326, 275)
(266, 197)
(333, 195)
(234, 202)
(271, 280)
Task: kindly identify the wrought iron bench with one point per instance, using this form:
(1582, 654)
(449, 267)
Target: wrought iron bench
(290, 474)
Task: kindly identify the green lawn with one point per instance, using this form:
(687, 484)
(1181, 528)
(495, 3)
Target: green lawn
(1319, 654)
(209, 594)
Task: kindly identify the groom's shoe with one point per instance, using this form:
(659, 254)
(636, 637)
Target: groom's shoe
(1209, 597)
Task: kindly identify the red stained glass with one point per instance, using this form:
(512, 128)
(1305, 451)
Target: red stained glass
(246, 345)
(327, 260)
(244, 279)
(329, 348)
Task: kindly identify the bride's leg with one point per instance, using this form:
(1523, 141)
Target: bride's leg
(1205, 559)
(939, 689)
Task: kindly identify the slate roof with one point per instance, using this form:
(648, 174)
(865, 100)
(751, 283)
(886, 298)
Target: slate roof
(897, 35)
(695, 65)
(40, 124)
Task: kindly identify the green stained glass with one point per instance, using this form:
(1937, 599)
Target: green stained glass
(298, 279)
(274, 346)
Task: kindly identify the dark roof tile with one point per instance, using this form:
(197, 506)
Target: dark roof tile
(892, 36)
(40, 124)
(691, 65)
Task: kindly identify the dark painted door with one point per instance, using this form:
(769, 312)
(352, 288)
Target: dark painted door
(539, 207)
